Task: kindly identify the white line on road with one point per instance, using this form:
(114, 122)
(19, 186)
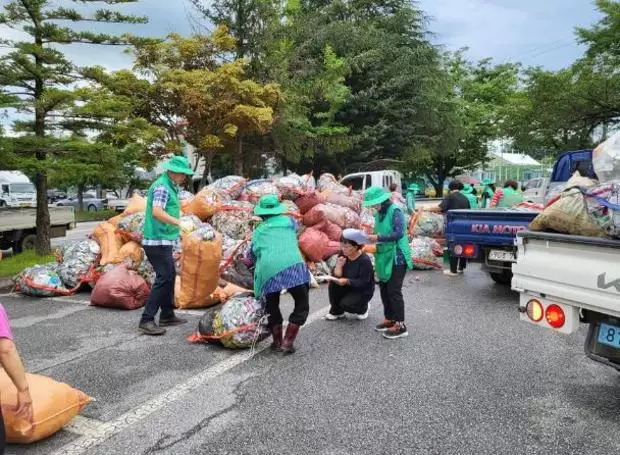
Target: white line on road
(82, 426)
(106, 430)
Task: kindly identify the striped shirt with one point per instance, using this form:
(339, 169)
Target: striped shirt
(161, 196)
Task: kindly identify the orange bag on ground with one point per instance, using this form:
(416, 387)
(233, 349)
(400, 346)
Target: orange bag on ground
(130, 251)
(54, 404)
(109, 241)
(115, 221)
(200, 264)
(136, 204)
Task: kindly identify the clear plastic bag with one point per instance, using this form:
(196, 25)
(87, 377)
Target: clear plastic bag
(232, 185)
(424, 252)
(41, 281)
(606, 159)
(234, 220)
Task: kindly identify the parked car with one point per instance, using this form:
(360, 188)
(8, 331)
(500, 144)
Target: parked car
(90, 202)
(535, 190)
(54, 196)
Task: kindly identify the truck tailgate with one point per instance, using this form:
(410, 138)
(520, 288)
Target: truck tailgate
(581, 271)
(487, 226)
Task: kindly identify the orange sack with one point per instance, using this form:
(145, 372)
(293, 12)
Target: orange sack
(109, 241)
(130, 251)
(54, 404)
(136, 204)
(114, 221)
(205, 203)
(199, 275)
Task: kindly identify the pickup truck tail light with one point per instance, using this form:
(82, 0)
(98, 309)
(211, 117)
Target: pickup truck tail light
(535, 310)
(468, 251)
(555, 316)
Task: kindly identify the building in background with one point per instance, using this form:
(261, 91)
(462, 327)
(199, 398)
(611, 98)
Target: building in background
(510, 166)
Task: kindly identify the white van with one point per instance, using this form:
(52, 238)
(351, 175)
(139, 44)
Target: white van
(360, 181)
(535, 190)
(16, 190)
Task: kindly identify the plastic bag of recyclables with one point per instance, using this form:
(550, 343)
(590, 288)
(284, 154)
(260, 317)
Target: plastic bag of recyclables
(255, 189)
(120, 288)
(132, 227)
(54, 405)
(568, 215)
(236, 269)
(606, 159)
(77, 262)
(234, 219)
(425, 252)
(238, 325)
(292, 187)
(109, 241)
(342, 216)
(426, 224)
(42, 281)
(576, 181)
(327, 182)
(232, 185)
(206, 203)
(603, 204)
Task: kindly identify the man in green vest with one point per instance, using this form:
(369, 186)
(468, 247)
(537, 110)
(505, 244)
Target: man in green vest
(487, 192)
(161, 233)
(469, 192)
(392, 259)
(279, 265)
(507, 197)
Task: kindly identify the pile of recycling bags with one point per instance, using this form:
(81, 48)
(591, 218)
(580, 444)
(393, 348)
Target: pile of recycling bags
(584, 206)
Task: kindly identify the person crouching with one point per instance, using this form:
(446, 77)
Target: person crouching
(355, 286)
(279, 266)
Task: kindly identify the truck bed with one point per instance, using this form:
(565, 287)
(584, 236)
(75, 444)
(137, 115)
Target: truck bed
(14, 219)
(580, 271)
(492, 227)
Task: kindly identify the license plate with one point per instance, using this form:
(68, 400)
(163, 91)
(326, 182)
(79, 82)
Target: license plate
(504, 256)
(609, 335)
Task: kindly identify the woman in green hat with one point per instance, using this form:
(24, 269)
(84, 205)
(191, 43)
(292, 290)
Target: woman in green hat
(412, 190)
(392, 259)
(279, 265)
(487, 192)
(469, 192)
(161, 233)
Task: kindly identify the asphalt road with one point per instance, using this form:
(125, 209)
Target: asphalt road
(81, 231)
(470, 379)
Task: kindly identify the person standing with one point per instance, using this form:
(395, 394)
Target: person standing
(412, 190)
(469, 192)
(488, 191)
(14, 368)
(396, 196)
(507, 197)
(355, 284)
(279, 265)
(161, 233)
(455, 200)
(392, 259)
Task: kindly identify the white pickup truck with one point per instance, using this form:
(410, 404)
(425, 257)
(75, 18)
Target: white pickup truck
(564, 280)
(18, 227)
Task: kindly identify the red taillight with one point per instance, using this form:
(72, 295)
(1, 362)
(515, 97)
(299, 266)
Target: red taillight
(469, 250)
(535, 310)
(555, 316)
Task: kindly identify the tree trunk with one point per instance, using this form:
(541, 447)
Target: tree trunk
(238, 159)
(80, 196)
(42, 245)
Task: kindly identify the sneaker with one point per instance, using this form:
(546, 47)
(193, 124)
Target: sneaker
(398, 330)
(450, 273)
(460, 272)
(385, 325)
(150, 328)
(334, 317)
(361, 317)
(174, 320)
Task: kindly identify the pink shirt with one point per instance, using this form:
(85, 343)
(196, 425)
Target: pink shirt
(5, 328)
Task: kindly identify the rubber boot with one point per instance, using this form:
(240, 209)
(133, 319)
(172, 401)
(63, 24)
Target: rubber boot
(289, 338)
(276, 334)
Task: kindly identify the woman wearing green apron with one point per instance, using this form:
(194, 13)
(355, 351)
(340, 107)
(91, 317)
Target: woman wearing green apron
(392, 259)
(279, 266)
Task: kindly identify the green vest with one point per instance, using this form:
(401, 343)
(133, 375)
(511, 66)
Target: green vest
(511, 198)
(155, 229)
(386, 251)
(410, 201)
(473, 200)
(274, 243)
(487, 195)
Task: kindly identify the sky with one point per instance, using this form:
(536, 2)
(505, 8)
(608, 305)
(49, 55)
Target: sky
(535, 32)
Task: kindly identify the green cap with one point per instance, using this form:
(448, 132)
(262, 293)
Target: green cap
(269, 204)
(375, 195)
(178, 165)
(488, 182)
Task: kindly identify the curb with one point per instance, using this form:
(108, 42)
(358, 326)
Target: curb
(6, 284)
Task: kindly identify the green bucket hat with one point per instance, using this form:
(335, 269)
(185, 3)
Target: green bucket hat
(178, 165)
(414, 187)
(269, 204)
(488, 182)
(467, 189)
(375, 195)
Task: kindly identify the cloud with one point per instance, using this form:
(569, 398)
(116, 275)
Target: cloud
(535, 32)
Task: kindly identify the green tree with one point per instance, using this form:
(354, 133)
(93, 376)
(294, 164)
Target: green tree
(38, 74)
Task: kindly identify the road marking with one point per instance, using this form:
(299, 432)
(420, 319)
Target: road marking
(28, 321)
(82, 426)
(100, 433)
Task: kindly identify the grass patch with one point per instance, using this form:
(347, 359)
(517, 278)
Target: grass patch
(12, 265)
(101, 215)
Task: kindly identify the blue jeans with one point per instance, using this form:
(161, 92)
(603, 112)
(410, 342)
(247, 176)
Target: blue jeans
(162, 292)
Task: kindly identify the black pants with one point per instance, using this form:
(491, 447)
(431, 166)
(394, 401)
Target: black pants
(344, 299)
(392, 294)
(300, 312)
(457, 264)
(162, 292)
